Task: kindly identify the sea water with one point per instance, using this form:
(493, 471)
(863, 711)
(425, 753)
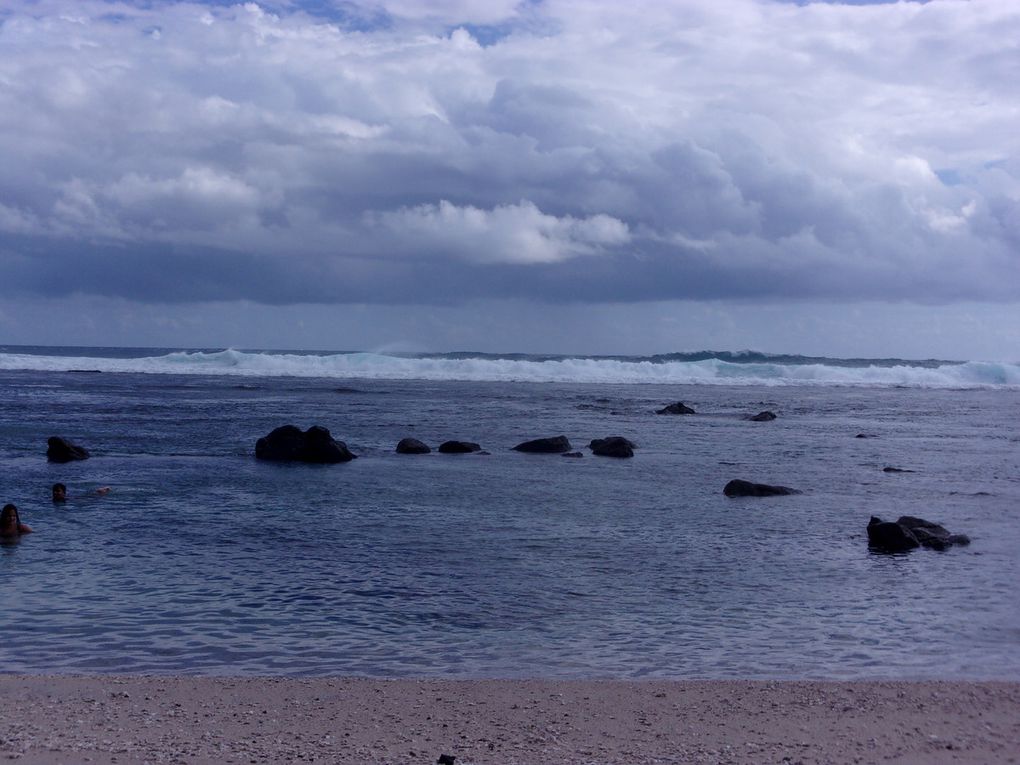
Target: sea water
(203, 560)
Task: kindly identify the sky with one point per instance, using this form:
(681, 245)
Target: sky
(550, 176)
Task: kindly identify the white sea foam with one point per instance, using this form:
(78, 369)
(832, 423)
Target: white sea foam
(570, 370)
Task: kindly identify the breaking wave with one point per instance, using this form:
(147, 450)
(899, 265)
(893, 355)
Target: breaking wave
(706, 368)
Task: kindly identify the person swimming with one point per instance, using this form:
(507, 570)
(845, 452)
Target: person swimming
(60, 492)
(10, 523)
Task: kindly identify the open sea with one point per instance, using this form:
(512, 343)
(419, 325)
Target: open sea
(203, 560)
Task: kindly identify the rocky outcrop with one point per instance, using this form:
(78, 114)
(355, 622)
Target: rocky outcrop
(412, 446)
(890, 537)
(678, 408)
(739, 488)
(289, 444)
(554, 445)
(61, 450)
(613, 446)
(910, 532)
(762, 417)
(458, 447)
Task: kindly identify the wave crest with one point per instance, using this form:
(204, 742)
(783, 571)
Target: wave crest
(724, 369)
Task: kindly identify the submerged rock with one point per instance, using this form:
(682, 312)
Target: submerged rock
(289, 444)
(412, 446)
(910, 532)
(554, 445)
(61, 450)
(458, 447)
(678, 408)
(740, 488)
(931, 534)
(612, 446)
(575, 455)
(762, 417)
(890, 537)
(896, 470)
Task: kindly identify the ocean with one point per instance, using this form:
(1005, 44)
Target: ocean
(203, 560)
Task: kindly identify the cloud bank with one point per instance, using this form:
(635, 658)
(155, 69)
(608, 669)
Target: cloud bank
(398, 152)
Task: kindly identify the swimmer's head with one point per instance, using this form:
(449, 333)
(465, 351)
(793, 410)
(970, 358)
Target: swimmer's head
(59, 492)
(9, 518)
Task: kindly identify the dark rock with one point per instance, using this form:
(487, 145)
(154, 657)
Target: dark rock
(909, 532)
(739, 488)
(931, 540)
(677, 408)
(289, 444)
(865, 435)
(763, 417)
(913, 523)
(896, 470)
(412, 446)
(890, 537)
(572, 454)
(458, 447)
(62, 450)
(613, 446)
(554, 445)
(931, 534)
(445, 759)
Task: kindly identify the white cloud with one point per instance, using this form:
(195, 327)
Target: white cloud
(692, 148)
(518, 233)
(456, 11)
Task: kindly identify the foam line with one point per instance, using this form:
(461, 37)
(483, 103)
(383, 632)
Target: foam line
(482, 368)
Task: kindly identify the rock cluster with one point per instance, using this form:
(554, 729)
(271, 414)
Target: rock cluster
(908, 533)
(289, 444)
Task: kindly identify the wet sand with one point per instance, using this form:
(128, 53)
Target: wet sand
(110, 719)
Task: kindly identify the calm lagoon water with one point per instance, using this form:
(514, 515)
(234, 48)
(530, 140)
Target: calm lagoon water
(203, 560)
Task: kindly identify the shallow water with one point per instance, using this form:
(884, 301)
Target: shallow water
(203, 560)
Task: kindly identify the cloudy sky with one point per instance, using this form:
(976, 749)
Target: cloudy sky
(513, 175)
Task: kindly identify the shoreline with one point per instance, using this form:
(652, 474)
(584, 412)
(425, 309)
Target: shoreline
(185, 719)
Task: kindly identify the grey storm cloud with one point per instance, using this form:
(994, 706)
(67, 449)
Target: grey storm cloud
(557, 150)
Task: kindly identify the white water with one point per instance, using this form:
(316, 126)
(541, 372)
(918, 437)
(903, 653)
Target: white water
(571, 370)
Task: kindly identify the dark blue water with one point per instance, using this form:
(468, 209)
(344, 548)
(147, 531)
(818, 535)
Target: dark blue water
(203, 560)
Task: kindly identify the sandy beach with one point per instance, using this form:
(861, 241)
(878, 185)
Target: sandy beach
(110, 719)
